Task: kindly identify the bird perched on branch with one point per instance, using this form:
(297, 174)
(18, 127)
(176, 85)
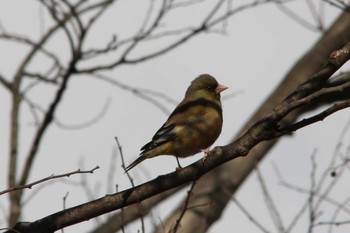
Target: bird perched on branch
(192, 127)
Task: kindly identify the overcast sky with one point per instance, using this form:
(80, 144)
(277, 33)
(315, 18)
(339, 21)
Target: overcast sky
(259, 47)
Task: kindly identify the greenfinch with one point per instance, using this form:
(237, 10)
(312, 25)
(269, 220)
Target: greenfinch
(192, 127)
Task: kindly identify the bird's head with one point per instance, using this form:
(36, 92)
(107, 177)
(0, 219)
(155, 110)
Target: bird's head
(205, 86)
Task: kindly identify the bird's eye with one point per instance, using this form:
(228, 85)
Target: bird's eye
(210, 88)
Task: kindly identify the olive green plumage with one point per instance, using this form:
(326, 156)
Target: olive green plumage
(193, 126)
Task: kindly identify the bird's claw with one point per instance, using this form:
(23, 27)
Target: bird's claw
(206, 153)
(178, 164)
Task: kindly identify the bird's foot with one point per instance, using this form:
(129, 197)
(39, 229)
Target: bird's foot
(178, 164)
(206, 153)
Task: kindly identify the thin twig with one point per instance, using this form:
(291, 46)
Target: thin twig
(315, 15)
(338, 4)
(184, 209)
(112, 171)
(143, 93)
(64, 206)
(123, 162)
(312, 211)
(318, 117)
(335, 214)
(204, 26)
(316, 188)
(65, 200)
(249, 216)
(27, 41)
(30, 185)
(294, 16)
(185, 3)
(33, 193)
(271, 207)
(301, 211)
(337, 223)
(131, 181)
(5, 83)
(147, 18)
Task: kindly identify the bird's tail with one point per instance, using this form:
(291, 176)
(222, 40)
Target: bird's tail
(136, 162)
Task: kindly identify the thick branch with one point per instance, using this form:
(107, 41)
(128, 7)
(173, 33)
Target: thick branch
(262, 130)
(228, 178)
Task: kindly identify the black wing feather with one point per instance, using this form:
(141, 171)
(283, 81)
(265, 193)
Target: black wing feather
(163, 135)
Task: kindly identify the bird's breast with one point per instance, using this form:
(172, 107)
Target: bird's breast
(199, 133)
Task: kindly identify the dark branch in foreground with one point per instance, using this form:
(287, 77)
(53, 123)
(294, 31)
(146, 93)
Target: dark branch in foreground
(308, 93)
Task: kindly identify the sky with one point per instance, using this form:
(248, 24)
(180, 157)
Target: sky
(251, 58)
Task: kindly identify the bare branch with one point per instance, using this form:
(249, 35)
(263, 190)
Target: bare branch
(110, 181)
(40, 77)
(131, 213)
(271, 207)
(185, 208)
(147, 17)
(64, 206)
(318, 193)
(15, 197)
(249, 216)
(297, 18)
(51, 177)
(59, 94)
(207, 23)
(212, 13)
(24, 40)
(138, 38)
(131, 181)
(110, 46)
(301, 211)
(91, 192)
(335, 215)
(238, 170)
(55, 16)
(123, 163)
(264, 129)
(335, 223)
(312, 211)
(339, 4)
(75, 26)
(65, 200)
(5, 83)
(315, 15)
(140, 92)
(185, 3)
(45, 123)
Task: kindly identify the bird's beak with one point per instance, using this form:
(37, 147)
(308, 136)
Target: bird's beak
(220, 88)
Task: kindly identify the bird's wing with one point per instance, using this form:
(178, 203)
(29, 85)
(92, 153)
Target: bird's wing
(165, 134)
(168, 130)
(185, 115)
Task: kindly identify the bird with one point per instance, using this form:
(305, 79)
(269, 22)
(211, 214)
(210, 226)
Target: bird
(192, 127)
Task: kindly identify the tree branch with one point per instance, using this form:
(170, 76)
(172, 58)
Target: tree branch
(207, 23)
(230, 176)
(51, 177)
(263, 130)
